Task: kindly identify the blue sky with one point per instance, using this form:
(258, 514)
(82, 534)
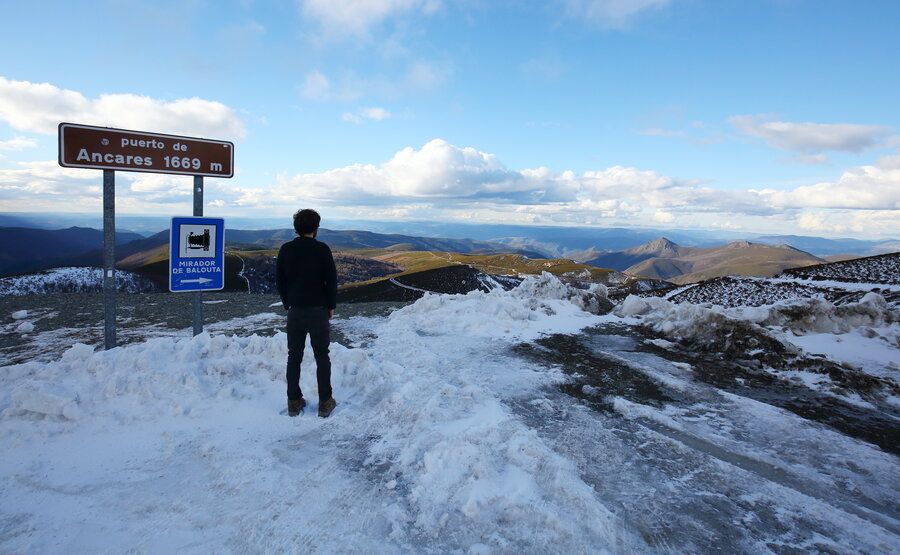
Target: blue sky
(768, 115)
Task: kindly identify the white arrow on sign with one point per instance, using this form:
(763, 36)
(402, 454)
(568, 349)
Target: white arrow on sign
(201, 281)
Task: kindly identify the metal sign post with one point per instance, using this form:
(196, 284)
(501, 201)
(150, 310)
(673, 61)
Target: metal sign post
(198, 299)
(109, 259)
(108, 149)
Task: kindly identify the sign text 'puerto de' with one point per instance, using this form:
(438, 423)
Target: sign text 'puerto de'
(197, 245)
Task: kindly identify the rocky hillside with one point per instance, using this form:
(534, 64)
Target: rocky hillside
(872, 269)
(259, 269)
(838, 283)
(748, 291)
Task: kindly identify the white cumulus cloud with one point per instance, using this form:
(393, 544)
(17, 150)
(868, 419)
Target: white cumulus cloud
(18, 143)
(810, 137)
(45, 185)
(442, 171)
(443, 180)
(440, 180)
(437, 170)
(871, 187)
(663, 217)
(40, 107)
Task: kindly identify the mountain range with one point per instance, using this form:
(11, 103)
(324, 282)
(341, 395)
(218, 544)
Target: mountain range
(579, 243)
(29, 249)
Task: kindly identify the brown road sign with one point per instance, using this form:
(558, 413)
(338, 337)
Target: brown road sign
(104, 148)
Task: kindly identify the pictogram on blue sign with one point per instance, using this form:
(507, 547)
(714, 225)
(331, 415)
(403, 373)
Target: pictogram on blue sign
(196, 254)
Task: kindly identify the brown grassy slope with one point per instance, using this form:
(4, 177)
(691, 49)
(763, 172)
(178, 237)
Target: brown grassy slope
(154, 264)
(740, 258)
(145, 258)
(503, 264)
(258, 267)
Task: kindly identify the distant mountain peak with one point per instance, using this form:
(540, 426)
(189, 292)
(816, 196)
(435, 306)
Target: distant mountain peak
(739, 244)
(662, 242)
(658, 246)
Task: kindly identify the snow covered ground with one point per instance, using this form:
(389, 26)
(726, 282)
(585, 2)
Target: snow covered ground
(71, 280)
(445, 439)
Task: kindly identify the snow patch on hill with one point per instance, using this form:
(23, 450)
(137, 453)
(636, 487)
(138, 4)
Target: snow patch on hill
(873, 269)
(71, 280)
(683, 320)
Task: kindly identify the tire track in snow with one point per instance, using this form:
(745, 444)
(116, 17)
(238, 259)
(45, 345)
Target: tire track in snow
(243, 268)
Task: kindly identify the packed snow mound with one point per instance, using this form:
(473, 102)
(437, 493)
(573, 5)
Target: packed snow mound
(686, 320)
(72, 280)
(820, 316)
(523, 312)
(546, 286)
(883, 268)
(123, 382)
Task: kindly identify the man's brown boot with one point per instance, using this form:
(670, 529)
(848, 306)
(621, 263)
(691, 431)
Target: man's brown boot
(325, 407)
(295, 406)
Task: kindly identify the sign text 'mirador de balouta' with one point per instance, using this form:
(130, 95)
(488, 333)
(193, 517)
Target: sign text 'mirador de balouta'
(84, 146)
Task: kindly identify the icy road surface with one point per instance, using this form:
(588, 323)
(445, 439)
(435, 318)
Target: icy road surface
(461, 427)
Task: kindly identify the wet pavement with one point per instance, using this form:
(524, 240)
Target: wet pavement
(697, 453)
(749, 368)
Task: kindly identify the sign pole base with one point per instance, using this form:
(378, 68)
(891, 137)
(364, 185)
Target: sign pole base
(197, 302)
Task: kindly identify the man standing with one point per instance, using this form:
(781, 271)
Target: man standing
(307, 282)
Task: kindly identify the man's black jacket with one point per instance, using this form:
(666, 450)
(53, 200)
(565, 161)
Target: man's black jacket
(305, 274)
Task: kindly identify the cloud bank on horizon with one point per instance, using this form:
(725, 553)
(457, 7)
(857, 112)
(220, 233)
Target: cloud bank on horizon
(431, 169)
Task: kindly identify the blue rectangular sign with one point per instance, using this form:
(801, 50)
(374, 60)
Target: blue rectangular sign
(196, 254)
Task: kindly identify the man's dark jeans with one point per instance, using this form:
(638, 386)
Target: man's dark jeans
(312, 321)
